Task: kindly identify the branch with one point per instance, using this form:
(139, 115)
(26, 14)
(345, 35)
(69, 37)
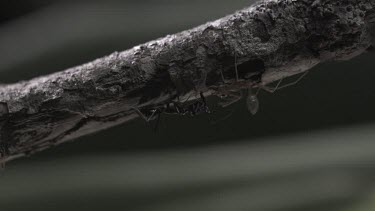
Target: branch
(269, 41)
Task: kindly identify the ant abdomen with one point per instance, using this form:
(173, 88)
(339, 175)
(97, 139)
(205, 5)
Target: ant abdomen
(252, 103)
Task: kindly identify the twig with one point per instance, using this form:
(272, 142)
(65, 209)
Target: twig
(271, 40)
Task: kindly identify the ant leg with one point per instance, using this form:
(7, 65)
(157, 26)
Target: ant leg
(203, 98)
(238, 97)
(206, 108)
(222, 118)
(295, 82)
(235, 65)
(222, 77)
(156, 127)
(256, 93)
(278, 87)
(2, 159)
(188, 98)
(235, 69)
(235, 98)
(140, 114)
(151, 117)
(179, 109)
(271, 89)
(146, 119)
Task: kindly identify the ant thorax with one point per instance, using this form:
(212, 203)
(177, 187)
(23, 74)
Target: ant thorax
(191, 108)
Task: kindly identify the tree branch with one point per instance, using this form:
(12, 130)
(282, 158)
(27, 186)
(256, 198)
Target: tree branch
(269, 41)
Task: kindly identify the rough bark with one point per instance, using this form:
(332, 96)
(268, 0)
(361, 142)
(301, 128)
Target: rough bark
(270, 40)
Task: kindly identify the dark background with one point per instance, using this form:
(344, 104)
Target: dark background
(311, 146)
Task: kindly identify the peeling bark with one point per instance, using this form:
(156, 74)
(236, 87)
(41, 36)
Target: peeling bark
(270, 40)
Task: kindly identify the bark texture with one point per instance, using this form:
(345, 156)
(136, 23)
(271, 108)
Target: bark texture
(270, 40)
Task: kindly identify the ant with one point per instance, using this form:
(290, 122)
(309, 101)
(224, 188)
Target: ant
(2, 158)
(175, 108)
(252, 101)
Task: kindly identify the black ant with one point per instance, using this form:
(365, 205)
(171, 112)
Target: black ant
(175, 108)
